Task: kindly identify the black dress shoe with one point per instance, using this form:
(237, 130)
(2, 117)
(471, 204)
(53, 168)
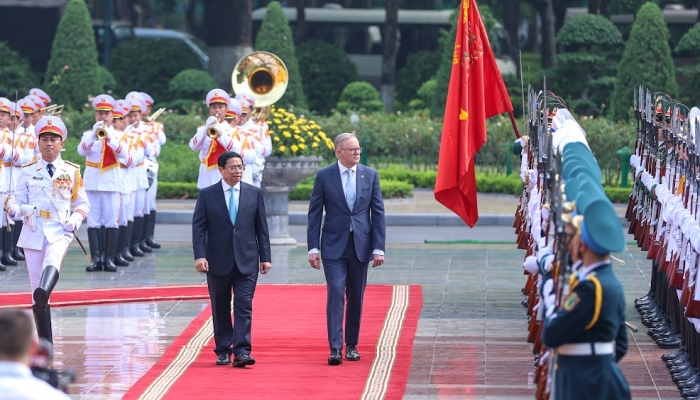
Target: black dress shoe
(335, 358)
(351, 353)
(241, 360)
(223, 359)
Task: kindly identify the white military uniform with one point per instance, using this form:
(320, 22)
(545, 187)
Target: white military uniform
(44, 201)
(251, 153)
(210, 149)
(149, 149)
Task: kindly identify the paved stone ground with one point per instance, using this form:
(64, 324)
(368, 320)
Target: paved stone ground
(470, 342)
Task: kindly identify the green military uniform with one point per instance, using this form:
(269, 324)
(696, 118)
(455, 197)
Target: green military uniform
(588, 330)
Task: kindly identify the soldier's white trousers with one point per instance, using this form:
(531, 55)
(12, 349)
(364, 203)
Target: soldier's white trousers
(126, 212)
(151, 196)
(50, 254)
(140, 203)
(104, 209)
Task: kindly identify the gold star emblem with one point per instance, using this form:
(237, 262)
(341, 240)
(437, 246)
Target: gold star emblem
(463, 115)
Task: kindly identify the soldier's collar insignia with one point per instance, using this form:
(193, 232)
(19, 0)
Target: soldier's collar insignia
(571, 301)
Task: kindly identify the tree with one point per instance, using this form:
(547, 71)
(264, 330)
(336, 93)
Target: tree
(275, 36)
(645, 61)
(546, 10)
(390, 49)
(229, 36)
(71, 75)
(689, 46)
(16, 75)
(591, 47)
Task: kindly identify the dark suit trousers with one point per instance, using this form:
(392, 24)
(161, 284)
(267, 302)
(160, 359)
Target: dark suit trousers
(232, 338)
(344, 277)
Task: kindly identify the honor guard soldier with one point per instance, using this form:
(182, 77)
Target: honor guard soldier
(45, 190)
(6, 155)
(588, 330)
(214, 138)
(150, 149)
(102, 148)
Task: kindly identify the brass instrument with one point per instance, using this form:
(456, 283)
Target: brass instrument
(265, 76)
(155, 115)
(212, 132)
(101, 132)
(53, 109)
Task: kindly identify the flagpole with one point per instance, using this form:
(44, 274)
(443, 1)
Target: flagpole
(515, 124)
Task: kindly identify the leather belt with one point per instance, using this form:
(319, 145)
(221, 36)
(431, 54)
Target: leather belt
(92, 164)
(586, 349)
(8, 164)
(122, 166)
(138, 165)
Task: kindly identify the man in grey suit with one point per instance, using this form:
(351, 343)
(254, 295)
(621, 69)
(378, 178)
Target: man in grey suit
(354, 233)
(231, 244)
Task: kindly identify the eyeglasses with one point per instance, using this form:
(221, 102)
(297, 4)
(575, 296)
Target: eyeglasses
(233, 168)
(354, 150)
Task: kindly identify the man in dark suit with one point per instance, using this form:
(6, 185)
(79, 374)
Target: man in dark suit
(231, 244)
(354, 233)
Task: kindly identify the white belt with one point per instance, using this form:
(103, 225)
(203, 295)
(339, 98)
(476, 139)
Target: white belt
(586, 349)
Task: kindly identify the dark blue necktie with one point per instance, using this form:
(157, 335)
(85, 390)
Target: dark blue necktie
(49, 167)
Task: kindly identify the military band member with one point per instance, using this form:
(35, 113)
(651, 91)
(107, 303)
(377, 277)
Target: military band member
(45, 190)
(101, 148)
(6, 155)
(22, 153)
(157, 134)
(150, 149)
(45, 98)
(259, 130)
(127, 183)
(214, 138)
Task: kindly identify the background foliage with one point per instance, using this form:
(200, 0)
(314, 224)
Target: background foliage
(15, 73)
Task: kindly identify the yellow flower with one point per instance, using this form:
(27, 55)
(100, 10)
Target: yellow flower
(276, 139)
(283, 148)
(310, 133)
(314, 145)
(286, 134)
(302, 146)
(276, 121)
(282, 127)
(316, 139)
(297, 137)
(294, 148)
(322, 135)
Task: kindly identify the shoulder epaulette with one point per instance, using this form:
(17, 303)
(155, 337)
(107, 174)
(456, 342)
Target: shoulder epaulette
(72, 163)
(29, 163)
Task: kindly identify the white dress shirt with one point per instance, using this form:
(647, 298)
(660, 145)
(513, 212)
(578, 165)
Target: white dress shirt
(227, 193)
(18, 383)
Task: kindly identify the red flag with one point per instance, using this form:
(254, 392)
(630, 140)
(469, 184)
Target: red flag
(476, 92)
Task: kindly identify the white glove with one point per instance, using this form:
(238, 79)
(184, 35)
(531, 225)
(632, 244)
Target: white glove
(530, 264)
(549, 297)
(73, 223)
(10, 203)
(211, 121)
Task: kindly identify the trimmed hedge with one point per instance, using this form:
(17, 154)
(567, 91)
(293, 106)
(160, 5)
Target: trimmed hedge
(421, 179)
(390, 190)
(177, 190)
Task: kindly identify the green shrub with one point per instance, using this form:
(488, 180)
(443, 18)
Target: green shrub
(191, 84)
(591, 48)
(106, 79)
(324, 77)
(71, 74)
(177, 162)
(16, 75)
(648, 41)
(426, 92)
(618, 194)
(421, 179)
(442, 75)
(149, 65)
(360, 96)
(487, 183)
(419, 68)
(390, 190)
(187, 107)
(605, 137)
(176, 190)
(275, 36)
(689, 46)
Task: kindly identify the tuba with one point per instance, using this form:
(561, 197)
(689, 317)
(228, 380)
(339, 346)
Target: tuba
(265, 76)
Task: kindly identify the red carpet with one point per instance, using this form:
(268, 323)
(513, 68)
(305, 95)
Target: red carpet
(291, 348)
(111, 295)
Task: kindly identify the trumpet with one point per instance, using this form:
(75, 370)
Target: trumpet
(212, 132)
(53, 109)
(155, 115)
(101, 132)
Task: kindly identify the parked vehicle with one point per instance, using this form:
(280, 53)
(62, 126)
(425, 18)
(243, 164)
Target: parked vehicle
(192, 43)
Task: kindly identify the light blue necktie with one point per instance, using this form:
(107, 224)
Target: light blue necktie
(349, 189)
(232, 209)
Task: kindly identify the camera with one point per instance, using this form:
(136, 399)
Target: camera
(40, 366)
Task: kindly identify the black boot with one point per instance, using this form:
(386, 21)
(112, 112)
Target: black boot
(112, 235)
(121, 240)
(136, 237)
(144, 233)
(7, 239)
(94, 243)
(18, 252)
(42, 319)
(126, 251)
(151, 231)
(103, 244)
(49, 278)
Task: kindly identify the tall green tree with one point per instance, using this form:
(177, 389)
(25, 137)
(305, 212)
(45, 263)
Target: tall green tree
(275, 36)
(646, 61)
(71, 75)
